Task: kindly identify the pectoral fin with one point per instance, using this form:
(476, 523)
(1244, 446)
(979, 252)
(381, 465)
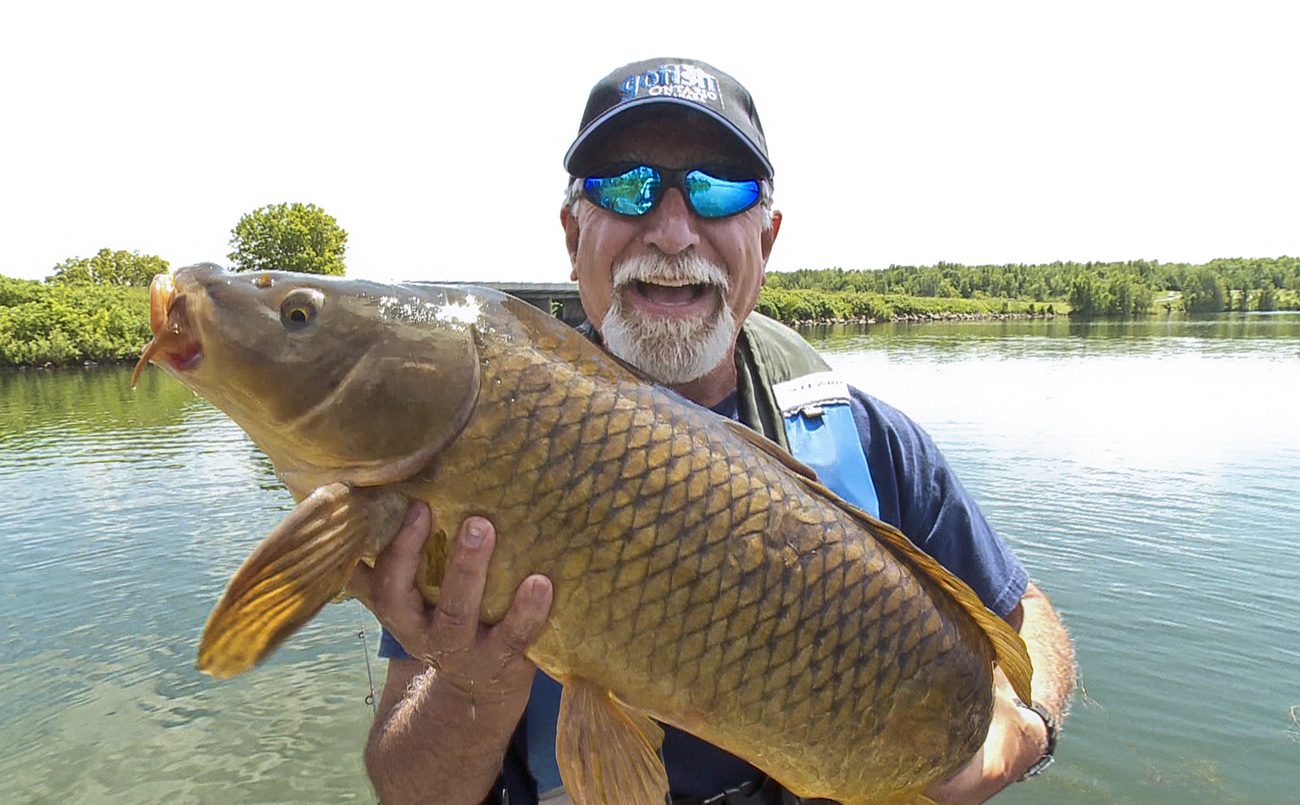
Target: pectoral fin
(606, 751)
(300, 566)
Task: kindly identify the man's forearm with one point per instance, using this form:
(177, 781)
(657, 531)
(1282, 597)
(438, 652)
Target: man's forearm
(1050, 649)
(437, 742)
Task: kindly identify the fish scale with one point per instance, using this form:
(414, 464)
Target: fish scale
(700, 576)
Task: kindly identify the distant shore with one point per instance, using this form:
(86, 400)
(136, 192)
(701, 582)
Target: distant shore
(49, 324)
(918, 318)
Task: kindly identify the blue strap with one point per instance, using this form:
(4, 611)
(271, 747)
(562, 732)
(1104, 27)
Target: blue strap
(540, 718)
(828, 443)
(821, 432)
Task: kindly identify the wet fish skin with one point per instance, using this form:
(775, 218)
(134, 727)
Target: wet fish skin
(741, 605)
(698, 575)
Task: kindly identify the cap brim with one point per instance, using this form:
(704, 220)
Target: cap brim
(578, 153)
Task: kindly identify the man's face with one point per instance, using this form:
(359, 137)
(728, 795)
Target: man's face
(668, 290)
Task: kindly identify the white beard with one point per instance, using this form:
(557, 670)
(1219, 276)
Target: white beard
(671, 350)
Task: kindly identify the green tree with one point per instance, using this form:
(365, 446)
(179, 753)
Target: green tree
(289, 237)
(1204, 292)
(1267, 298)
(109, 268)
(1087, 296)
(62, 323)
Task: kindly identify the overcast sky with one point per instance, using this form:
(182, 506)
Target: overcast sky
(902, 133)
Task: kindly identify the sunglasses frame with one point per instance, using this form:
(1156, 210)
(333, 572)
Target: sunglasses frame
(668, 177)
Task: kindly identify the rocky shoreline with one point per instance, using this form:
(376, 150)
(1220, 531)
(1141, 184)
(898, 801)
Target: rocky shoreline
(918, 318)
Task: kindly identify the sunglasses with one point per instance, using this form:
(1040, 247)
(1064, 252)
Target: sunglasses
(635, 191)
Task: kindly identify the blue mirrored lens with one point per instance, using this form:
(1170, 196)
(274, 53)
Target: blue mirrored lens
(631, 193)
(717, 198)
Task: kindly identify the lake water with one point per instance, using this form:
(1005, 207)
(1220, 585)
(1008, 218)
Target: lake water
(1146, 473)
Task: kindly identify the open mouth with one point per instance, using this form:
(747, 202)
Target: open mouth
(672, 299)
(671, 294)
(174, 340)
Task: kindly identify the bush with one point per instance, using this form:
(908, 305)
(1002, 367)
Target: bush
(109, 268)
(64, 324)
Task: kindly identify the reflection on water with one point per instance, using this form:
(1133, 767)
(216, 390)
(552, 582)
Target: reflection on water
(1276, 334)
(124, 514)
(1145, 471)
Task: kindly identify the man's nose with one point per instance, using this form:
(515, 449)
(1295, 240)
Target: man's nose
(671, 226)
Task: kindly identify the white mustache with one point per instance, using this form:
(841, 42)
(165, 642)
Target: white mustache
(686, 269)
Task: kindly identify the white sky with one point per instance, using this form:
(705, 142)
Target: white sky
(907, 133)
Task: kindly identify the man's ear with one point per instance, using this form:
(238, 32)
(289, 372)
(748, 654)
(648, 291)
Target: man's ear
(768, 237)
(570, 223)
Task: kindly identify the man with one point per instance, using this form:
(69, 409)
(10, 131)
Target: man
(669, 225)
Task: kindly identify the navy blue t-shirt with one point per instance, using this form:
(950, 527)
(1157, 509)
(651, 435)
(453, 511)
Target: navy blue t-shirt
(921, 496)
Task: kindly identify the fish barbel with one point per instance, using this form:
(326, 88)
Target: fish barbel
(702, 577)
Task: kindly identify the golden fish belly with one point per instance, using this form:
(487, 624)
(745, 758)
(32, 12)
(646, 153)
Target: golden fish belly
(704, 583)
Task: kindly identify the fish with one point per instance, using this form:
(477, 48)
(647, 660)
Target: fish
(702, 577)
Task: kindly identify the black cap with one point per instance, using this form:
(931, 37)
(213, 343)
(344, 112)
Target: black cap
(684, 83)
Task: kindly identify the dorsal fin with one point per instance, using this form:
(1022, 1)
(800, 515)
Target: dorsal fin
(1008, 646)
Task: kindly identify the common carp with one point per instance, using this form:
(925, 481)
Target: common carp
(702, 577)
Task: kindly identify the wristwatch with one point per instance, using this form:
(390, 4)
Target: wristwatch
(1049, 754)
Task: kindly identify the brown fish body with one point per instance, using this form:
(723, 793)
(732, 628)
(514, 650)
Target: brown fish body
(705, 584)
(699, 577)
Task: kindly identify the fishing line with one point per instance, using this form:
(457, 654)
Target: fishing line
(365, 652)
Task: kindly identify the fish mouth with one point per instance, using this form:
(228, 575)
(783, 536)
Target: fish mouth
(174, 340)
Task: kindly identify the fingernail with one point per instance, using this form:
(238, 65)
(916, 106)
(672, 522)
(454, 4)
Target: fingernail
(412, 514)
(474, 534)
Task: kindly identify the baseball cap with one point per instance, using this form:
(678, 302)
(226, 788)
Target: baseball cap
(683, 83)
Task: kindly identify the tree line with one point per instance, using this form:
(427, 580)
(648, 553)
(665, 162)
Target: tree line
(277, 237)
(799, 305)
(1127, 288)
(97, 308)
(94, 309)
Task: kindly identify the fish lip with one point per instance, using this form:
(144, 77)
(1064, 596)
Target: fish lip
(187, 359)
(175, 343)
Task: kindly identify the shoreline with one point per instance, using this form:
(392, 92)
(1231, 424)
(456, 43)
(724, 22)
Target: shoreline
(864, 321)
(917, 318)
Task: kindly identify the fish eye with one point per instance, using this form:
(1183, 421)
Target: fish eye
(300, 307)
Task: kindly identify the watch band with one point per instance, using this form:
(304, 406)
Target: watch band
(1049, 754)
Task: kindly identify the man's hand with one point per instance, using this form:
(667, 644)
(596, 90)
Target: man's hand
(477, 659)
(446, 728)
(1016, 739)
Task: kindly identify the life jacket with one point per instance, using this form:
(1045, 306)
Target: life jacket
(787, 392)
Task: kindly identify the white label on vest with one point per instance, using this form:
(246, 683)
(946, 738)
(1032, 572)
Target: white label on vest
(818, 389)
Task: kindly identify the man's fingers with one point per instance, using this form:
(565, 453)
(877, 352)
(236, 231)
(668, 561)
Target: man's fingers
(456, 617)
(388, 588)
(396, 565)
(521, 625)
